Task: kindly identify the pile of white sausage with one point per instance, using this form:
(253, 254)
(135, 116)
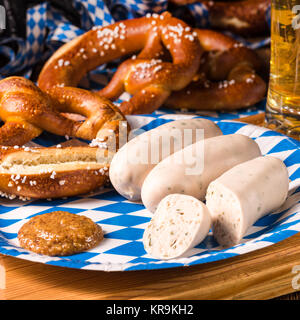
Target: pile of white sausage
(176, 166)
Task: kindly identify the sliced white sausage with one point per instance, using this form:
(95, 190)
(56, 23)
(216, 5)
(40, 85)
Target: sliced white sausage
(135, 159)
(244, 194)
(190, 170)
(179, 224)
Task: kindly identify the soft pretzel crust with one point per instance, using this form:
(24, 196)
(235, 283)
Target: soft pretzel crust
(150, 80)
(245, 17)
(227, 78)
(42, 173)
(27, 111)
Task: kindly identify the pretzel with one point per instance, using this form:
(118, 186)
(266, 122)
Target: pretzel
(27, 111)
(226, 79)
(246, 17)
(148, 79)
(42, 173)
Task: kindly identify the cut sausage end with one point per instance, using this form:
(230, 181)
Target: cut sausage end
(179, 223)
(244, 194)
(227, 218)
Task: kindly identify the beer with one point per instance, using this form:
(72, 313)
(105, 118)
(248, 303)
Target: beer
(283, 103)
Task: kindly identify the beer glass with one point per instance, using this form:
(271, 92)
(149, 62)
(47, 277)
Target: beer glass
(283, 102)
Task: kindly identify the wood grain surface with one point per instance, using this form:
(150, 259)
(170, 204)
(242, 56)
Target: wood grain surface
(262, 274)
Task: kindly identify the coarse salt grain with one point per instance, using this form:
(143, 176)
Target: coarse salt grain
(53, 175)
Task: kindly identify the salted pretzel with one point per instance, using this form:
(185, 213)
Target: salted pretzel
(54, 172)
(26, 111)
(148, 79)
(226, 79)
(245, 17)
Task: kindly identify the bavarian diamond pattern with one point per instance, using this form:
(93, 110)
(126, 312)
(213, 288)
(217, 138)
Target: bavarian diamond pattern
(124, 222)
(200, 13)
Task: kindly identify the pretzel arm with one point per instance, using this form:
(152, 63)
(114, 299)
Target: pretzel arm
(153, 47)
(17, 133)
(145, 101)
(55, 123)
(226, 79)
(116, 85)
(27, 104)
(218, 65)
(244, 17)
(242, 89)
(97, 110)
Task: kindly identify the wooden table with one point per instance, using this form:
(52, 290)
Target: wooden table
(262, 274)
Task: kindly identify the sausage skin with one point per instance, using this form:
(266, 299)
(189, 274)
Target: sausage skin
(177, 174)
(244, 194)
(132, 163)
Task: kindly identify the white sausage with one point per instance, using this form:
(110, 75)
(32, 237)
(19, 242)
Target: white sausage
(244, 194)
(179, 223)
(135, 159)
(172, 175)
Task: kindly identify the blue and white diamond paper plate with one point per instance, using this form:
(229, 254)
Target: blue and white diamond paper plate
(123, 222)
